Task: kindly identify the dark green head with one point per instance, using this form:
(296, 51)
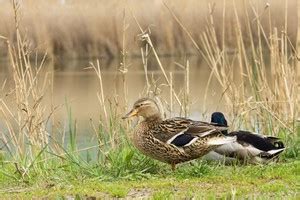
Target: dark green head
(219, 118)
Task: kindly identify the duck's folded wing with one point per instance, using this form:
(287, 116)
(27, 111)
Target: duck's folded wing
(183, 132)
(259, 142)
(249, 144)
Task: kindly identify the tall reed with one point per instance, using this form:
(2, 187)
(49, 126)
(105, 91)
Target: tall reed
(23, 109)
(263, 94)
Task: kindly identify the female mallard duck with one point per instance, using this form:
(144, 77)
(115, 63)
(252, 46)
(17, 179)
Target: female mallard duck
(173, 140)
(248, 146)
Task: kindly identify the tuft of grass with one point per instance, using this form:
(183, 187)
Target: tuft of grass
(163, 194)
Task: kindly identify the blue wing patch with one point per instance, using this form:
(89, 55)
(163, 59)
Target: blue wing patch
(182, 140)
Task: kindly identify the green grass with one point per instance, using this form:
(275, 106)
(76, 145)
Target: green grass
(120, 171)
(127, 173)
(218, 181)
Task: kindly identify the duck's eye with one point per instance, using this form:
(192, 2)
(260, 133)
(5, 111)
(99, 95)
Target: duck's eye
(140, 105)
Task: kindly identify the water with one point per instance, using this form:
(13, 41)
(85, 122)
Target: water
(77, 87)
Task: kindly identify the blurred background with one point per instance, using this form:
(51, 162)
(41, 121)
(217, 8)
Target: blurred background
(94, 28)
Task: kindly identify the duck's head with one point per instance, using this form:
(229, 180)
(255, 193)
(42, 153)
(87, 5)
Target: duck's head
(219, 118)
(146, 108)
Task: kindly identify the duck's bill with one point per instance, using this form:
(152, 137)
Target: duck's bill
(132, 113)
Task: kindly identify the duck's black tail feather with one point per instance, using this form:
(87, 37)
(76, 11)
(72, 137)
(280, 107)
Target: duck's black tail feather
(271, 154)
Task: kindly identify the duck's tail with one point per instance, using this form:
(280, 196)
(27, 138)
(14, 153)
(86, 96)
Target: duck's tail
(271, 154)
(216, 141)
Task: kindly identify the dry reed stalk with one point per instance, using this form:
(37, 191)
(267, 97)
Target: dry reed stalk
(104, 120)
(108, 130)
(100, 94)
(185, 30)
(171, 93)
(145, 66)
(123, 66)
(146, 37)
(25, 116)
(187, 89)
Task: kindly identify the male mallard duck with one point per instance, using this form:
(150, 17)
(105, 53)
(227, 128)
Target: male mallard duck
(248, 146)
(173, 140)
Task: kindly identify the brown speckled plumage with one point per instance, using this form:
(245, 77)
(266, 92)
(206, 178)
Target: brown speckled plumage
(153, 136)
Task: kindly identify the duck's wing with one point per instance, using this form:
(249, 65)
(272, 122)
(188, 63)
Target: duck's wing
(260, 142)
(251, 144)
(183, 132)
